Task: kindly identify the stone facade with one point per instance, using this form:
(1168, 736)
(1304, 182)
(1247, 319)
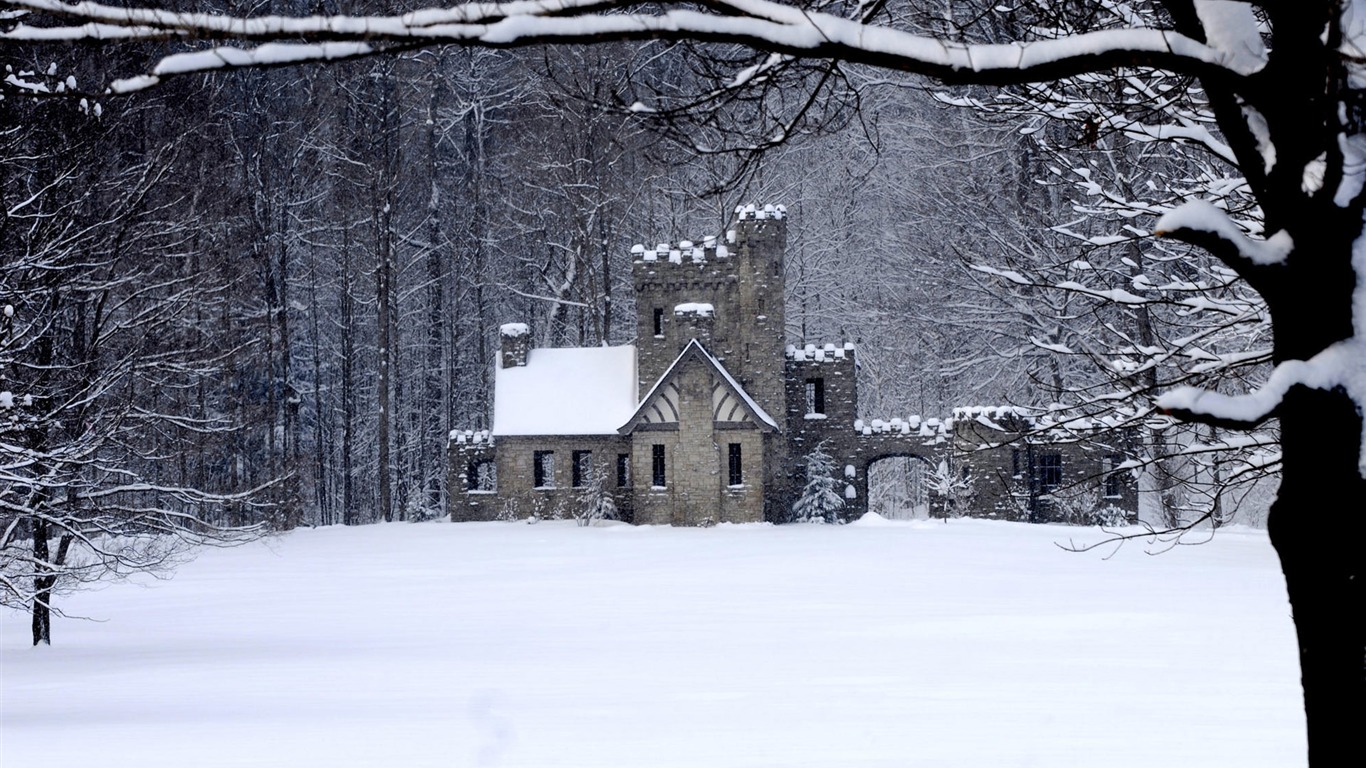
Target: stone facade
(1019, 469)
(726, 412)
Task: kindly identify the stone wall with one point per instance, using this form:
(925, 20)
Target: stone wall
(696, 490)
(517, 497)
(1007, 461)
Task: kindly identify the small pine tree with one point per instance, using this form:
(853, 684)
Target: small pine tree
(595, 502)
(821, 501)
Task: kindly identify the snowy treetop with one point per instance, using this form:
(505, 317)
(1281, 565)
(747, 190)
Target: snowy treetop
(513, 330)
(819, 354)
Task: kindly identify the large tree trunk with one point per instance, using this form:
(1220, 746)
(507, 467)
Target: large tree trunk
(1319, 530)
(1317, 522)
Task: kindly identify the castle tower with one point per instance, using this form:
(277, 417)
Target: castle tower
(731, 291)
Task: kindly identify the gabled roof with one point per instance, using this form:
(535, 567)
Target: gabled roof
(574, 391)
(694, 351)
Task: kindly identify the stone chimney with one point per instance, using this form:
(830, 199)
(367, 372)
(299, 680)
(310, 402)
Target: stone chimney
(516, 339)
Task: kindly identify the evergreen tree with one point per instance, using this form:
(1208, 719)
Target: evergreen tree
(820, 501)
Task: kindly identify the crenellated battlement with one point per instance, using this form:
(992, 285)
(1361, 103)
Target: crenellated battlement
(827, 353)
(685, 251)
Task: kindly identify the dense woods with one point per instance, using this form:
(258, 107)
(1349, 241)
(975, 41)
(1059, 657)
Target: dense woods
(335, 249)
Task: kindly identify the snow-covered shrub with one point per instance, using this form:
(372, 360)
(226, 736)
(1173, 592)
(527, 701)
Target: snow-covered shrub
(508, 511)
(952, 493)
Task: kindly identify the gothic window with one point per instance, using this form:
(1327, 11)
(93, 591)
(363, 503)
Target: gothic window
(623, 470)
(657, 477)
(543, 469)
(582, 469)
(815, 396)
(737, 475)
(1050, 472)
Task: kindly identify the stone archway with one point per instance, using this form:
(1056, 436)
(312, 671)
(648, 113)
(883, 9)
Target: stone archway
(860, 452)
(899, 486)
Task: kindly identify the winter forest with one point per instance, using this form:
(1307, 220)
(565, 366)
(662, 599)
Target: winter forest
(277, 290)
(255, 258)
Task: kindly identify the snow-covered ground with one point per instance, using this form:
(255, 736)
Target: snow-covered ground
(891, 645)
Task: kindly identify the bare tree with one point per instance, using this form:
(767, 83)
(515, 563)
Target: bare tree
(97, 354)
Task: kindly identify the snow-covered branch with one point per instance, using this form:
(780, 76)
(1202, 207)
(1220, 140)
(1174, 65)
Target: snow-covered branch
(762, 24)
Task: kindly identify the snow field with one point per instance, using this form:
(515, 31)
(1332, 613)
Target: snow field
(878, 644)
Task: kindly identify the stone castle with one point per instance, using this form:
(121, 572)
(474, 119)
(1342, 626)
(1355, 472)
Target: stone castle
(709, 416)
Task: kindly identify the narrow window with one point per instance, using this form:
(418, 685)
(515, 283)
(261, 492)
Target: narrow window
(1114, 480)
(659, 321)
(1015, 462)
(657, 477)
(815, 395)
(623, 470)
(1050, 472)
(583, 468)
(543, 469)
(737, 475)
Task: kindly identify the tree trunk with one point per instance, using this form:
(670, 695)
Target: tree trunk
(42, 587)
(383, 291)
(1317, 527)
(1316, 523)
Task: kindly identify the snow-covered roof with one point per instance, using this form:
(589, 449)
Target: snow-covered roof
(574, 391)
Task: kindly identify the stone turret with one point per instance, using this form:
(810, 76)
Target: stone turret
(741, 278)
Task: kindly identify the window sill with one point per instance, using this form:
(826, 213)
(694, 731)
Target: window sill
(814, 416)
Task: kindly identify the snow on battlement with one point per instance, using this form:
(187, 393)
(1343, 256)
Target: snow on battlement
(471, 437)
(1052, 422)
(820, 354)
(746, 212)
(513, 330)
(932, 428)
(685, 251)
(701, 309)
